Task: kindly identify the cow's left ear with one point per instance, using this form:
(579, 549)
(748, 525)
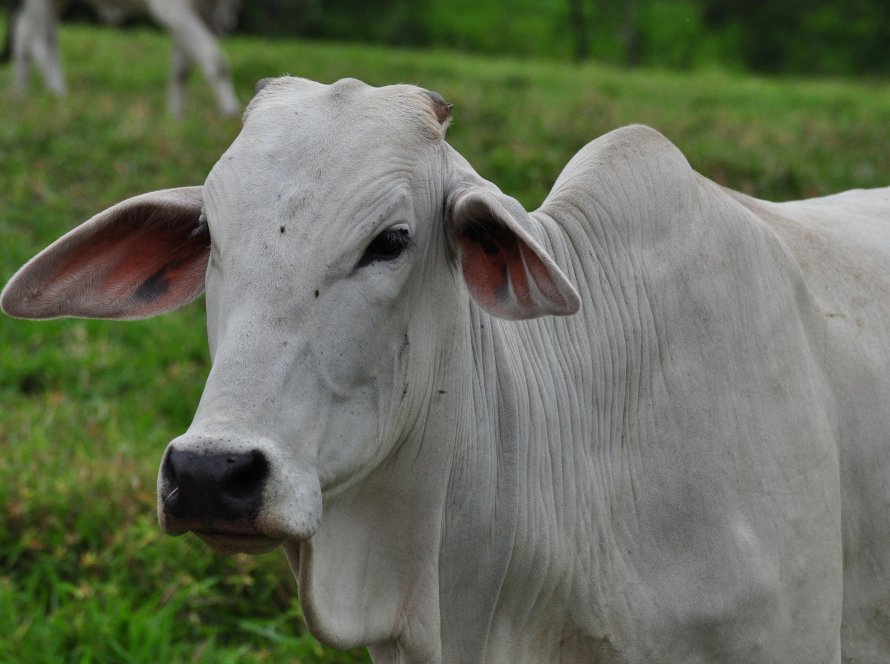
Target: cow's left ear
(506, 270)
(141, 257)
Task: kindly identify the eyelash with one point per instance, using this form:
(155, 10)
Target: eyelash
(387, 246)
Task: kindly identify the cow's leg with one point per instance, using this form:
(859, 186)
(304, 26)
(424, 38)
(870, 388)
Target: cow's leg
(179, 74)
(192, 34)
(21, 53)
(35, 38)
(46, 54)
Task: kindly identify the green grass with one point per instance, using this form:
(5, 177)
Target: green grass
(87, 407)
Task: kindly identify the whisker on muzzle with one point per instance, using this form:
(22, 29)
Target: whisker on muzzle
(170, 495)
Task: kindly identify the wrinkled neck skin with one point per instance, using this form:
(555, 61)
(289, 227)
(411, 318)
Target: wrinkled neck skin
(455, 547)
(416, 556)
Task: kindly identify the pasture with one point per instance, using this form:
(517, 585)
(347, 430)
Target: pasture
(86, 408)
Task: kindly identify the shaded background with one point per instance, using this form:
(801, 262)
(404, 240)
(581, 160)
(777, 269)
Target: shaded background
(834, 37)
(800, 36)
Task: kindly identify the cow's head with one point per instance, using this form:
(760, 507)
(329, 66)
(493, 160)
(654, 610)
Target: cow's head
(334, 239)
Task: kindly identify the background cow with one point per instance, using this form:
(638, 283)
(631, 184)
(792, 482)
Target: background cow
(688, 462)
(33, 29)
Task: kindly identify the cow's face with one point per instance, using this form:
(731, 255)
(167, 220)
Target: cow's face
(333, 235)
(326, 265)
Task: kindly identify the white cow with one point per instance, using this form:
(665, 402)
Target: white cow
(190, 22)
(694, 467)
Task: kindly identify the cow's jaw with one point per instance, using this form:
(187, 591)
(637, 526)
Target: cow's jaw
(225, 542)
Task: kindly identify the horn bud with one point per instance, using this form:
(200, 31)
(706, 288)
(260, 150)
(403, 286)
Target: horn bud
(441, 108)
(262, 83)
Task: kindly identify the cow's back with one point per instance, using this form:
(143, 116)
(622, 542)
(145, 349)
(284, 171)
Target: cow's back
(842, 246)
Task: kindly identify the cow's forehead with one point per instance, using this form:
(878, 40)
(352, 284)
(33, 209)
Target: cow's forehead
(338, 157)
(297, 110)
(322, 141)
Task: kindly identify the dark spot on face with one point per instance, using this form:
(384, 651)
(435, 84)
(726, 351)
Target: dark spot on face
(154, 287)
(442, 392)
(282, 230)
(316, 293)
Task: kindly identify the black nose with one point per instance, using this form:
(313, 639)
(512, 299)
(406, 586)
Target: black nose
(208, 488)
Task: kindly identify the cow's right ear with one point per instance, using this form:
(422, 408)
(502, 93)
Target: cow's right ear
(139, 258)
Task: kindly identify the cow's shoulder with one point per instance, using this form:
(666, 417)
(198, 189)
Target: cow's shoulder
(633, 158)
(620, 179)
(638, 145)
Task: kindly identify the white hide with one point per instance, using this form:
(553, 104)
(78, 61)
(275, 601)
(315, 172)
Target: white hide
(694, 467)
(190, 23)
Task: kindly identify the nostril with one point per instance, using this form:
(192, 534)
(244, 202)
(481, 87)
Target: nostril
(245, 474)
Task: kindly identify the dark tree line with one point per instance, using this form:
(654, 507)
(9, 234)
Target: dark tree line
(845, 37)
(828, 36)
(800, 36)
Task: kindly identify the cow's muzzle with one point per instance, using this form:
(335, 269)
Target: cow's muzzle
(217, 496)
(225, 487)
(236, 500)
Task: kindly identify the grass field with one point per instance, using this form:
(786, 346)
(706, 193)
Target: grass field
(87, 407)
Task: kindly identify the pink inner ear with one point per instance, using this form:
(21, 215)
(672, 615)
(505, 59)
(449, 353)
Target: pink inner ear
(542, 277)
(125, 270)
(485, 269)
(144, 267)
(497, 267)
(505, 275)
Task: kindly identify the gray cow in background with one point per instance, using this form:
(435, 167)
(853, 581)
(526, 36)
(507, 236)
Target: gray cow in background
(192, 24)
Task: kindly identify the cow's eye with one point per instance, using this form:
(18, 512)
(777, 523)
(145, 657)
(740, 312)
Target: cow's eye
(387, 246)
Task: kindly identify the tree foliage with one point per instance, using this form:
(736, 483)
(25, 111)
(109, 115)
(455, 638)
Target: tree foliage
(810, 36)
(836, 37)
